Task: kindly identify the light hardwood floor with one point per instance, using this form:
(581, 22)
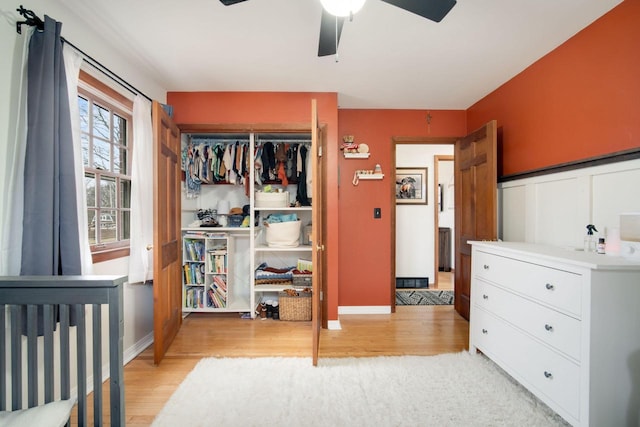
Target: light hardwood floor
(412, 330)
(445, 280)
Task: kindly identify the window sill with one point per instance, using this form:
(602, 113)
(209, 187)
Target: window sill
(109, 254)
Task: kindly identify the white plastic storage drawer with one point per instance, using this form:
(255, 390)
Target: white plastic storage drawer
(558, 288)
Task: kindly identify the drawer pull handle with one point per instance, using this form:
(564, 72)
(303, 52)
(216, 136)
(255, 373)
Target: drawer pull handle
(548, 327)
(485, 296)
(549, 286)
(484, 331)
(548, 374)
(486, 267)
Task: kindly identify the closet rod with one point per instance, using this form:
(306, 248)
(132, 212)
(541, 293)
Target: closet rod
(286, 141)
(222, 141)
(244, 141)
(33, 20)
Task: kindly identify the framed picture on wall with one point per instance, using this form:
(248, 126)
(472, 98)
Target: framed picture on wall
(411, 186)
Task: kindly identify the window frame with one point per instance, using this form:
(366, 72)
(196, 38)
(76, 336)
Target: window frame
(107, 97)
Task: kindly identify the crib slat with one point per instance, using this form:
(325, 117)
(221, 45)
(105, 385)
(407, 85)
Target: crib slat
(97, 364)
(16, 357)
(3, 359)
(32, 355)
(81, 361)
(116, 334)
(65, 370)
(47, 312)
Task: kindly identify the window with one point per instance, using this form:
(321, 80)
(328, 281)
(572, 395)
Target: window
(105, 126)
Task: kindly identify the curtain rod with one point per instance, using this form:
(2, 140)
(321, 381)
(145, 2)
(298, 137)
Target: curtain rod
(33, 20)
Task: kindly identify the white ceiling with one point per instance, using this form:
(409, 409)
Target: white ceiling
(388, 58)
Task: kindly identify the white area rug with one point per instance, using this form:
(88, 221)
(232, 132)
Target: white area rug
(445, 390)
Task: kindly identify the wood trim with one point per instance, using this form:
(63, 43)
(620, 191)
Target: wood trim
(424, 140)
(106, 89)
(436, 222)
(245, 127)
(619, 156)
(392, 221)
(109, 254)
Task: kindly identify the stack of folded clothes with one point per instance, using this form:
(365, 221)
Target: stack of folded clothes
(266, 275)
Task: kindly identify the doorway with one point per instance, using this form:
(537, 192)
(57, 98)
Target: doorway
(444, 221)
(415, 250)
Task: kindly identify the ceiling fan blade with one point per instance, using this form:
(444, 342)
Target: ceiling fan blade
(230, 2)
(327, 41)
(434, 10)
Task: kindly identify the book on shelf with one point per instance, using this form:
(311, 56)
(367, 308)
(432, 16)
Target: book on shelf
(194, 249)
(194, 273)
(201, 234)
(189, 297)
(219, 282)
(214, 299)
(218, 262)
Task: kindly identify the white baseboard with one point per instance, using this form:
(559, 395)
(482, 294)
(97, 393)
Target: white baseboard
(365, 309)
(334, 325)
(137, 348)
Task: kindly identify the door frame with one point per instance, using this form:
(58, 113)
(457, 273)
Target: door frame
(436, 221)
(407, 140)
(290, 127)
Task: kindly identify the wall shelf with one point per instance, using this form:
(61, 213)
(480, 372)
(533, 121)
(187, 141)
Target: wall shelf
(371, 176)
(356, 155)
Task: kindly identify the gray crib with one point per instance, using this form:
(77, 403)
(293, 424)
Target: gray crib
(39, 305)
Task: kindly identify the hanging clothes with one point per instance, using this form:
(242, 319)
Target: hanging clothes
(292, 161)
(268, 162)
(301, 195)
(281, 159)
(226, 163)
(257, 164)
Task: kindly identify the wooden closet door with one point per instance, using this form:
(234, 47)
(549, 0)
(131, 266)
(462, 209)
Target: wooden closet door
(167, 250)
(318, 229)
(475, 203)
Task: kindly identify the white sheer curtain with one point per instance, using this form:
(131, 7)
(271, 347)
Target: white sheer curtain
(141, 259)
(72, 64)
(11, 210)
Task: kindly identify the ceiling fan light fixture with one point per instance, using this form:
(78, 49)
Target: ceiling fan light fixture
(342, 7)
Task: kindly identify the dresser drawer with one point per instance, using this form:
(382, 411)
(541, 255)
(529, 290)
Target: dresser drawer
(557, 288)
(552, 327)
(555, 379)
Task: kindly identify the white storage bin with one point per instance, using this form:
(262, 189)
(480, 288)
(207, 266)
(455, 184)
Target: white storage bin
(272, 200)
(283, 234)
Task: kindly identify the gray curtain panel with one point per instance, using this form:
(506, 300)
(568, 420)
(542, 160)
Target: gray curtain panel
(50, 226)
(50, 242)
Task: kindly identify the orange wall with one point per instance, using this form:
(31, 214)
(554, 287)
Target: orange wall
(274, 108)
(365, 243)
(579, 101)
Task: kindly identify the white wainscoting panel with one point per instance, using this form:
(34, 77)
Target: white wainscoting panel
(616, 193)
(555, 208)
(513, 201)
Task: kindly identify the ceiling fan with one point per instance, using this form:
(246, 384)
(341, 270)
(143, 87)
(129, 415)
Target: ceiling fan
(331, 25)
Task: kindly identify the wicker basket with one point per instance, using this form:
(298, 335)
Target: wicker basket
(295, 307)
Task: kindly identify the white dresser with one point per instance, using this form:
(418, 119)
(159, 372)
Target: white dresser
(565, 324)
